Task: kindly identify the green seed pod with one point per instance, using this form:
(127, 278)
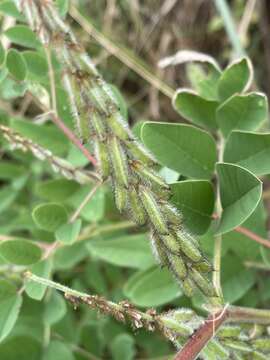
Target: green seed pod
(156, 182)
(182, 314)
(103, 159)
(178, 266)
(188, 247)
(153, 210)
(204, 284)
(218, 349)
(138, 152)
(98, 125)
(179, 328)
(171, 214)
(159, 250)
(118, 126)
(208, 354)
(171, 243)
(203, 266)
(259, 356)
(98, 98)
(188, 287)
(136, 207)
(121, 198)
(229, 331)
(237, 345)
(262, 344)
(119, 162)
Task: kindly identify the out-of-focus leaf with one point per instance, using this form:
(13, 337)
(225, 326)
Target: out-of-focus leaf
(20, 251)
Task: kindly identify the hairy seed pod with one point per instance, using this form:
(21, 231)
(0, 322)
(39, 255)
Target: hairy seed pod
(171, 214)
(237, 345)
(188, 287)
(118, 126)
(98, 98)
(159, 250)
(182, 314)
(203, 266)
(262, 344)
(156, 182)
(180, 328)
(204, 284)
(218, 349)
(103, 159)
(119, 162)
(171, 243)
(153, 211)
(138, 152)
(121, 198)
(188, 247)
(178, 266)
(136, 207)
(229, 331)
(98, 124)
(259, 356)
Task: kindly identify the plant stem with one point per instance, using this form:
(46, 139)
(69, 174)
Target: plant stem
(248, 315)
(225, 13)
(202, 336)
(51, 77)
(122, 311)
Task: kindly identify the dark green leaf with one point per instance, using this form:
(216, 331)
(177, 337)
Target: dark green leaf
(36, 64)
(195, 199)
(16, 64)
(249, 150)
(2, 54)
(34, 290)
(123, 347)
(20, 347)
(58, 350)
(183, 148)
(240, 193)
(23, 36)
(20, 252)
(49, 216)
(68, 233)
(10, 9)
(152, 287)
(235, 78)
(196, 109)
(55, 309)
(242, 112)
(129, 251)
(56, 189)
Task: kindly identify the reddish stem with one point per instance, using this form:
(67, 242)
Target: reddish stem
(200, 338)
(69, 134)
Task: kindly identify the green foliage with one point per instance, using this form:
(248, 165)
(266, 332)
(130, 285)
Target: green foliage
(218, 155)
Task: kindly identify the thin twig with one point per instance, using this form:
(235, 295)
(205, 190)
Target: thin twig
(84, 202)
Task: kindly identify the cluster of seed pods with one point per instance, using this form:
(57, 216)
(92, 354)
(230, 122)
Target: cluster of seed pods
(139, 191)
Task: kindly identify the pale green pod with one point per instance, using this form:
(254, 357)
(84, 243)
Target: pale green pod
(119, 162)
(262, 344)
(121, 198)
(99, 98)
(237, 345)
(98, 125)
(118, 126)
(188, 247)
(179, 328)
(178, 266)
(218, 349)
(204, 284)
(159, 250)
(188, 287)
(256, 355)
(156, 182)
(183, 314)
(153, 211)
(138, 152)
(203, 266)
(229, 331)
(171, 214)
(136, 207)
(103, 159)
(208, 354)
(171, 243)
